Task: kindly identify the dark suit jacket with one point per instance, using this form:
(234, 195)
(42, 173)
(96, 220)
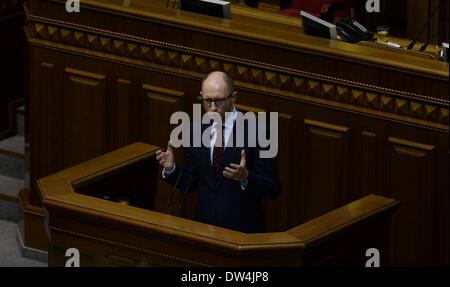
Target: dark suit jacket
(221, 201)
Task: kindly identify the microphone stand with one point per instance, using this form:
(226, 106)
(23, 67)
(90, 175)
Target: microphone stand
(174, 3)
(193, 172)
(173, 189)
(429, 41)
(410, 46)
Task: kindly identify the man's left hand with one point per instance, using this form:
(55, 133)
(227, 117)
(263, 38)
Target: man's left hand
(237, 172)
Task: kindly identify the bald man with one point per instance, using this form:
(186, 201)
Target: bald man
(230, 180)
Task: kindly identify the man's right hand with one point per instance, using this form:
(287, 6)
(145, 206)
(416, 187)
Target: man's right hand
(166, 158)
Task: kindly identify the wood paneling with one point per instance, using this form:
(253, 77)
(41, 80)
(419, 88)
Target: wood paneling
(49, 130)
(325, 167)
(111, 78)
(107, 233)
(369, 176)
(406, 17)
(125, 116)
(84, 132)
(123, 110)
(168, 102)
(51, 143)
(158, 106)
(287, 202)
(412, 181)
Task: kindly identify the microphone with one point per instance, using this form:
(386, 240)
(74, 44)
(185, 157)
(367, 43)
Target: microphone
(174, 2)
(429, 41)
(411, 45)
(252, 3)
(174, 188)
(444, 54)
(194, 173)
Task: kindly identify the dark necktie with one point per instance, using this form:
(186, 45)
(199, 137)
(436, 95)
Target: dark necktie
(217, 157)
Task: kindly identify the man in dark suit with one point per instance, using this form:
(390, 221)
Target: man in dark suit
(230, 180)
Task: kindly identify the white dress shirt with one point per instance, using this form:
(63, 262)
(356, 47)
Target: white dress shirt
(228, 129)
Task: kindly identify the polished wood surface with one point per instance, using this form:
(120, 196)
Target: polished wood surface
(353, 120)
(242, 26)
(431, 51)
(110, 233)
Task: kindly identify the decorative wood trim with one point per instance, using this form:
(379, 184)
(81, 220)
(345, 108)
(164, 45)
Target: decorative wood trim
(366, 98)
(27, 207)
(152, 92)
(221, 27)
(129, 45)
(277, 93)
(326, 126)
(411, 144)
(85, 75)
(127, 246)
(246, 109)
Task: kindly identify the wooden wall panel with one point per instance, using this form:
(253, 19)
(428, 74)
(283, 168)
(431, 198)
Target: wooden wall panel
(280, 205)
(84, 116)
(412, 181)
(120, 134)
(150, 106)
(49, 142)
(325, 167)
(168, 102)
(157, 131)
(46, 150)
(337, 111)
(369, 175)
(278, 211)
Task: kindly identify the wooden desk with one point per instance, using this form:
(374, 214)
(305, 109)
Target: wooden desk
(353, 120)
(108, 233)
(269, 14)
(429, 53)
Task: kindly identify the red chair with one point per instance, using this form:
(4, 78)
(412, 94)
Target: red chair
(318, 7)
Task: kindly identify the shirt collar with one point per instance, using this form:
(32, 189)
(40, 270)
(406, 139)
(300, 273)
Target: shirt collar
(230, 121)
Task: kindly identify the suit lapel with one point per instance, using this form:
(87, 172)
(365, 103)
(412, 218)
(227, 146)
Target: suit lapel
(229, 157)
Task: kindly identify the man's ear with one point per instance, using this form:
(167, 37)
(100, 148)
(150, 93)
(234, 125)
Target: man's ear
(234, 96)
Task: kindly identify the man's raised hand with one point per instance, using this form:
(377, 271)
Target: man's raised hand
(238, 171)
(166, 158)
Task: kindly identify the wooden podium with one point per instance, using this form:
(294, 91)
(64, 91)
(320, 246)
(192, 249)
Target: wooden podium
(109, 233)
(353, 120)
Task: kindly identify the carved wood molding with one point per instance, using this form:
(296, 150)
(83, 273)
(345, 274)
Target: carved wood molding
(148, 252)
(294, 84)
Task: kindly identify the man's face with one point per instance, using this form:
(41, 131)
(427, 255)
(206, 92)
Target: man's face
(216, 97)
